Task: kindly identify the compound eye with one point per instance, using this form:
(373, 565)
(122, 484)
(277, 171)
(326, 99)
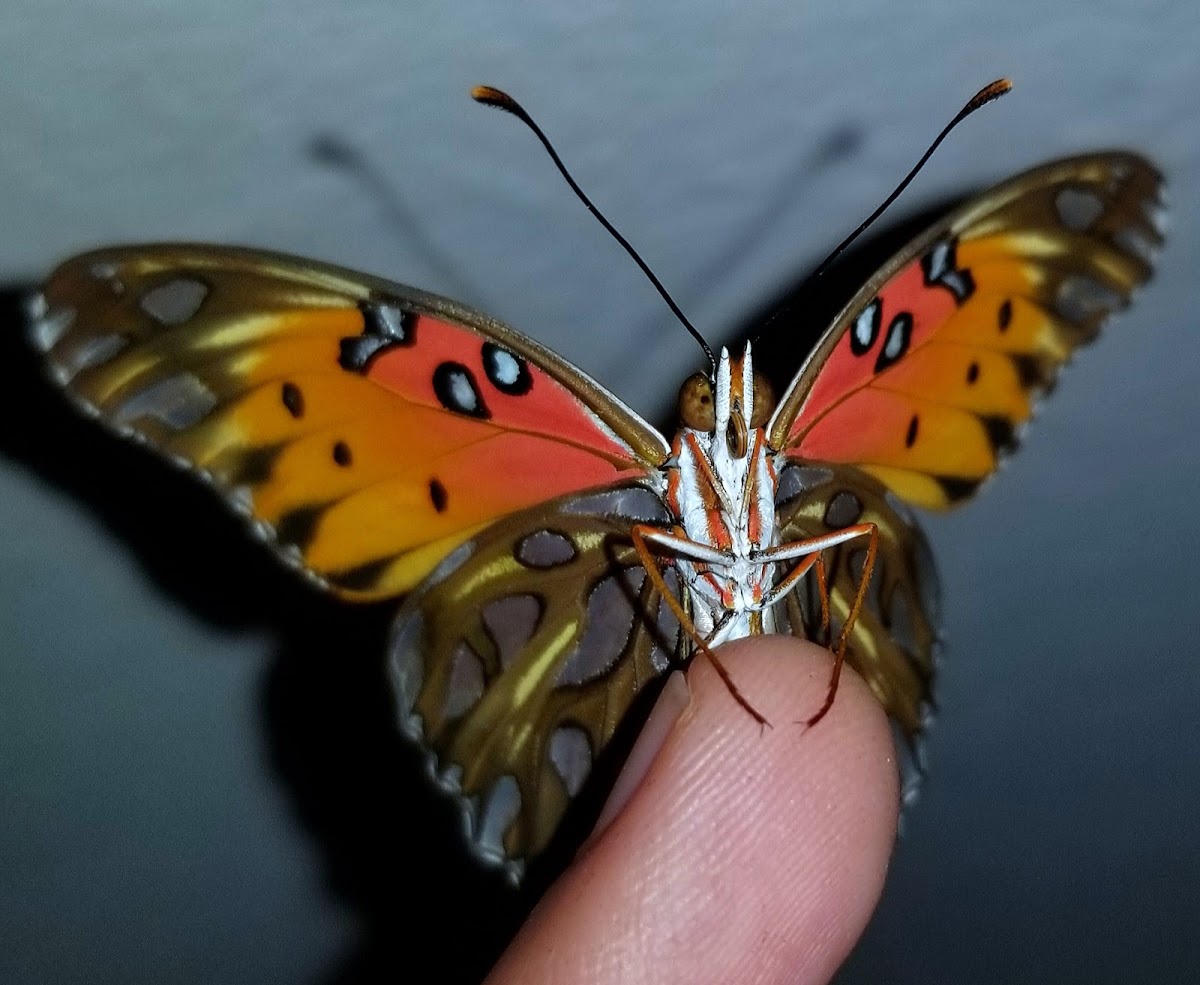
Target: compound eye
(764, 401)
(696, 408)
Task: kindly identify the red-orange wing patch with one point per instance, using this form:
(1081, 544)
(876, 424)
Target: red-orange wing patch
(925, 376)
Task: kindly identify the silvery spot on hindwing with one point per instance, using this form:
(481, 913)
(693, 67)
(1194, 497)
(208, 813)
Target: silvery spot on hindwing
(514, 668)
(894, 641)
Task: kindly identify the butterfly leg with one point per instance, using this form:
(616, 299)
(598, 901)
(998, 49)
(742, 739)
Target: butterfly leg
(794, 577)
(811, 548)
(642, 536)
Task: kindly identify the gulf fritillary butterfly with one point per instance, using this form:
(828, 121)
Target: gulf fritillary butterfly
(557, 554)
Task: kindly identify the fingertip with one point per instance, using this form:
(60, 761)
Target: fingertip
(743, 852)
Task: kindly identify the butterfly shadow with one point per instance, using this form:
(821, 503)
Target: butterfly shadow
(391, 846)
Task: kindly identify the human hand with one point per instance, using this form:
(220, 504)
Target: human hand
(743, 855)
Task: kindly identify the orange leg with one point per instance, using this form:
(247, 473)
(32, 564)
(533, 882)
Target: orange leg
(649, 562)
(871, 532)
(792, 579)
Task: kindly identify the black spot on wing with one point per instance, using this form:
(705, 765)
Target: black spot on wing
(362, 578)
(910, 437)
(341, 454)
(1000, 432)
(254, 465)
(299, 526)
(957, 489)
(293, 400)
(1033, 371)
(437, 495)
(1004, 316)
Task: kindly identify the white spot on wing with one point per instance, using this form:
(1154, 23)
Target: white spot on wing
(462, 394)
(503, 805)
(174, 302)
(178, 401)
(505, 367)
(895, 340)
(465, 686)
(864, 325)
(45, 331)
(571, 754)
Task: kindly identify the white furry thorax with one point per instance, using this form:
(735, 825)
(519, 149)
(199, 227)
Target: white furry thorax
(726, 503)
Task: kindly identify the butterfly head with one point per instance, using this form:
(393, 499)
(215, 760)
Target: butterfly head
(730, 406)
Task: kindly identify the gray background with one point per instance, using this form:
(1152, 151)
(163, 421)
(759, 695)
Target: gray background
(160, 818)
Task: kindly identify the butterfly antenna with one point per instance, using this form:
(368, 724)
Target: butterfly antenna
(502, 100)
(991, 91)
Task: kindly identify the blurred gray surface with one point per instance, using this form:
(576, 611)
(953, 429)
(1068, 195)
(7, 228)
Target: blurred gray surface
(145, 835)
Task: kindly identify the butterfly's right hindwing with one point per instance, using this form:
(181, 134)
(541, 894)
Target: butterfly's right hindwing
(893, 644)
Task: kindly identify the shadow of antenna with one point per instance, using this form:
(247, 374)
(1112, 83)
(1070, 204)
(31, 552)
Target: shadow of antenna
(338, 154)
(839, 143)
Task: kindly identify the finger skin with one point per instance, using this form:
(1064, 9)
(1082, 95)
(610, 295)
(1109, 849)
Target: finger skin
(744, 855)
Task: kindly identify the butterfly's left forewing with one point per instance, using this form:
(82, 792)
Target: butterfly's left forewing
(366, 428)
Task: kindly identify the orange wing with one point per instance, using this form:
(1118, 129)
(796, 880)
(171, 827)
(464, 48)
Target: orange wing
(366, 428)
(924, 377)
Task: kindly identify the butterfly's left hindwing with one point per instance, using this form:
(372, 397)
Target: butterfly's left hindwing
(365, 427)
(521, 654)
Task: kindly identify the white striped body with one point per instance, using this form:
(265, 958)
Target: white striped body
(721, 488)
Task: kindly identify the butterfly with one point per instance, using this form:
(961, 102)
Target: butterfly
(553, 555)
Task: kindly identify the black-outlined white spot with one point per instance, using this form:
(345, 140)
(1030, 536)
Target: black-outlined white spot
(505, 370)
(384, 326)
(940, 266)
(895, 345)
(865, 329)
(456, 390)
